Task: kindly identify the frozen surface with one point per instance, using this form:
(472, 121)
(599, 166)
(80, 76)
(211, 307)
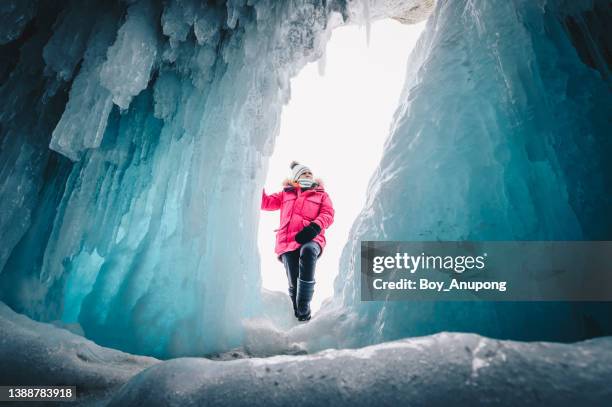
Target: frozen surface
(14, 16)
(83, 122)
(34, 353)
(134, 143)
(127, 68)
(502, 133)
(443, 369)
(134, 138)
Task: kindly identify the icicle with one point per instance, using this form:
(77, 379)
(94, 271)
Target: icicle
(83, 122)
(321, 63)
(366, 17)
(130, 59)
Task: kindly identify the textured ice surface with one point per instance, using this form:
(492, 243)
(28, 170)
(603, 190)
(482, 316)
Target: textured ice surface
(134, 140)
(85, 116)
(135, 136)
(502, 133)
(443, 369)
(127, 68)
(14, 16)
(39, 354)
(65, 48)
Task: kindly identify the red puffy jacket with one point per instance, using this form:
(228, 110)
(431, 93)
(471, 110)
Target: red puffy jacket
(298, 208)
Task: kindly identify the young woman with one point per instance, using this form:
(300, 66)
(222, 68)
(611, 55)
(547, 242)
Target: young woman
(305, 212)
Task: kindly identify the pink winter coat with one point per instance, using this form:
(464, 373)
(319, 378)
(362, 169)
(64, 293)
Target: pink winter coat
(297, 209)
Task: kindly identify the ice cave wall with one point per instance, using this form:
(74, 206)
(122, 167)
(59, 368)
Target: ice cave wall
(502, 133)
(134, 144)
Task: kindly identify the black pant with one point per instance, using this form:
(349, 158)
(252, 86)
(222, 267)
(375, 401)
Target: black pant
(301, 263)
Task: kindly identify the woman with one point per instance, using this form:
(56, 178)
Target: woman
(305, 212)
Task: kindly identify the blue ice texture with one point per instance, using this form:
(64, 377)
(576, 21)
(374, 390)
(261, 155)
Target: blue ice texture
(135, 138)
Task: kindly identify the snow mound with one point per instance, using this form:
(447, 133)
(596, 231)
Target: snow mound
(442, 369)
(34, 353)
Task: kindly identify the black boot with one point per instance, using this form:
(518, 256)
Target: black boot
(292, 296)
(305, 290)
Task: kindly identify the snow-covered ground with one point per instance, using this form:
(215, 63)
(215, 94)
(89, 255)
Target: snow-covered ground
(34, 353)
(442, 369)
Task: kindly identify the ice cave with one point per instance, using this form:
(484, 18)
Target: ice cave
(134, 142)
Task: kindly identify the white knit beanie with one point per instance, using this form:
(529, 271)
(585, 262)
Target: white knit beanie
(297, 169)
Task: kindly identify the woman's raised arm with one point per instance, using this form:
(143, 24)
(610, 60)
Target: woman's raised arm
(270, 202)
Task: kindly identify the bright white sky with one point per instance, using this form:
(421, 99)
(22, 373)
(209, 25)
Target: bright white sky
(336, 124)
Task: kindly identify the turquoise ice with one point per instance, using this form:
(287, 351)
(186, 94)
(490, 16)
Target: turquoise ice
(134, 139)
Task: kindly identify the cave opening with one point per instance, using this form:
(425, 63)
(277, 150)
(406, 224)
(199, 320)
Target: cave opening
(336, 122)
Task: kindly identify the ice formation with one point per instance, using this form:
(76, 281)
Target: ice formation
(34, 353)
(442, 369)
(134, 143)
(502, 133)
(134, 138)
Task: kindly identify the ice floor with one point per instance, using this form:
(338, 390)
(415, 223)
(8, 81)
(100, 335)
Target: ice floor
(439, 370)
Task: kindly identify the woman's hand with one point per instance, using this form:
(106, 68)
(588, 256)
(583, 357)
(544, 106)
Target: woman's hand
(308, 233)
